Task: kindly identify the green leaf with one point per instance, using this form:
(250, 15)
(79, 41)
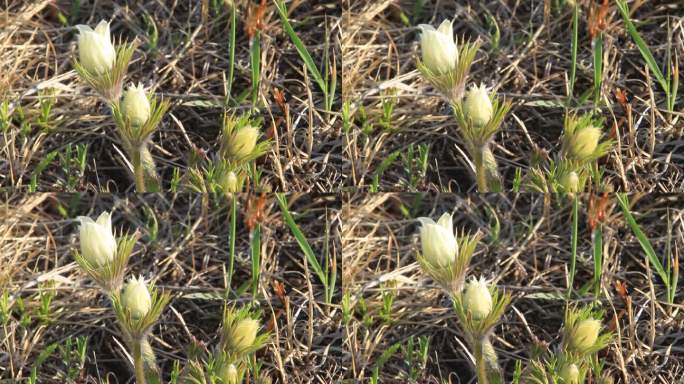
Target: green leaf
(643, 240)
(643, 48)
(299, 45)
(301, 239)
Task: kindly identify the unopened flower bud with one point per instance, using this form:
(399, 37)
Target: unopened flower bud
(230, 182)
(229, 374)
(242, 142)
(98, 245)
(243, 334)
(570, 374)
(135, 105)
(477, 300)
(95, 50)
(583, 142)
(477, 106)
(438, 48)
(136, 298)
(583, 336)
(438, 241)
(570, 182)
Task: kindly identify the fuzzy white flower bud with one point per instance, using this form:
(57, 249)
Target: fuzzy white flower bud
(242, 142)
(438, 242)
(570, 374)
(477, 106)
(584, 335)
(229, 374)
(98, 245)
(570, 182)
(583, 142)
(230, 182)
(243, 334)
(95, 50)
(476, 299)
(135, 105)
(439, 51)
(136, 298)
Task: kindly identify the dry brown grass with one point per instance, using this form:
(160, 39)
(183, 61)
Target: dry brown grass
(530, 68)
(528, 258)
(373, 236)
(188, 258)
(188, 67)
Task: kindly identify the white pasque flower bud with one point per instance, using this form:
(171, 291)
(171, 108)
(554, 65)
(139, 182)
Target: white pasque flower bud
(243, 334)
(438, 48)
(229, 374)
(135, 106)
(477, 106)
(438, 240)
(242, 142)
(570, 182)
(98, 245)
(136, 298)
(95, 50)
(570, 374)
(477, 300)
(583, 142)
(230, 182)
(584, 335)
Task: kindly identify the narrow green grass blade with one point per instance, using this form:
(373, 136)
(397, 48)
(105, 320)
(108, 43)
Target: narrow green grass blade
(330, 267)
(643, 48)
(573, 62)
(231, 255)
(598, 258)
(573, 244)
(672, 262)
(301, 240)
(255, 240)
(299, 45)
(597, 45)
(643, 240)
(255, 60)
(231, 63)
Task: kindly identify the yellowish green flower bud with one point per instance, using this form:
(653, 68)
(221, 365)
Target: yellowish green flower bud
(438, 241)
(477, 300)
(583, 142)
(438, 48)
(135, 106)
(229, 374)
(230, 182)
(98, 245)
(242, 142)
(477, 106)
(243, 334)
(570, 374)
(583, 336)
(570, 182)
(95, 50)
(136, 298)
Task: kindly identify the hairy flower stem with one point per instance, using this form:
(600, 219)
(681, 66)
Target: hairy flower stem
(486, 361)
(152, 182)
(144, 169)
(138, 361)
(138, 170)
(480, 363)
(480, 170)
